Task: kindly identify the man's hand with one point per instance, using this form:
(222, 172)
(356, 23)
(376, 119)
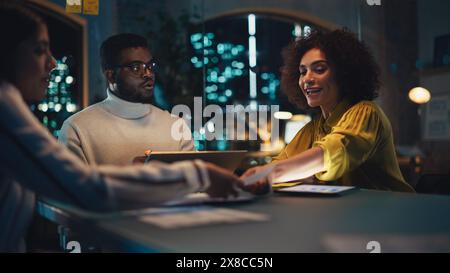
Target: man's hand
(223, 182)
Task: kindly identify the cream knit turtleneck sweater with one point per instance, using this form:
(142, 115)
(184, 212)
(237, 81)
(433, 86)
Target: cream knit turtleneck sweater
(115, 131)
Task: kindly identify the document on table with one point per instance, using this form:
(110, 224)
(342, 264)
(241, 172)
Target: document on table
(290, 175)
(263, 172)
(203, 198)
(200, 216)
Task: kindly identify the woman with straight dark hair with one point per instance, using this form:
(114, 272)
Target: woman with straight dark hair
(33, 162)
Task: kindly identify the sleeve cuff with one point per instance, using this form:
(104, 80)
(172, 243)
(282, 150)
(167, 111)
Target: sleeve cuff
(196, 175)
(204, 176)
(329, 174)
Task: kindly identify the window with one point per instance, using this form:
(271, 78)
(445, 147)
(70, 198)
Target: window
(240, 57)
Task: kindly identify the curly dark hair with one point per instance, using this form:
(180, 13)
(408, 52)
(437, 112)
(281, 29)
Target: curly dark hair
(113, 46)
(355, 69)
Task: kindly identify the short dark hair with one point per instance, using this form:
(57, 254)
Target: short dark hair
(17, 24)
(111, 47)
(355, 69)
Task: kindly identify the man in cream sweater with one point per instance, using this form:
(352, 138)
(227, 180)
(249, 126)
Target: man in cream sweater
(125, 124)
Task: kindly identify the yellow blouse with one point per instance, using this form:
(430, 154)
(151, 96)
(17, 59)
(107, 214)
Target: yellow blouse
(358, 147)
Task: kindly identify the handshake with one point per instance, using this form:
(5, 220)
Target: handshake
(224, 183)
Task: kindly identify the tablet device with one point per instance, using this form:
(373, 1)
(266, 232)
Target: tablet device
(226, 159)
(316, 189)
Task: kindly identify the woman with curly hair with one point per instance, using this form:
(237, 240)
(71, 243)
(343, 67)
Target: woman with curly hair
(351, 141)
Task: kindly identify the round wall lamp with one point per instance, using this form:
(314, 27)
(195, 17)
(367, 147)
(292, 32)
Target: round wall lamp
(419, 95)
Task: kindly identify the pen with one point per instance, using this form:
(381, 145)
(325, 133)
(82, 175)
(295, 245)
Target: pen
(147, 154)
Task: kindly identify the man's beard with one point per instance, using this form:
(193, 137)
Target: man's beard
(137, 96)
(140, 98)
(145, 99)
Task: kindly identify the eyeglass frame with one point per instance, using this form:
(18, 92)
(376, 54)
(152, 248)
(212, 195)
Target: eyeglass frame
(152, 66)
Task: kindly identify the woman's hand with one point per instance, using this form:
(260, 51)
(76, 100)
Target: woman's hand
(262, 186)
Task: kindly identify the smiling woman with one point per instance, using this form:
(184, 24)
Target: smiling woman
(356, 73)
(351, 142)
(317, 82)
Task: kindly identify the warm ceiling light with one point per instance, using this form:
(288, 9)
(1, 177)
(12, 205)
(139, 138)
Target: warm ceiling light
(419, 95)
(282, 115)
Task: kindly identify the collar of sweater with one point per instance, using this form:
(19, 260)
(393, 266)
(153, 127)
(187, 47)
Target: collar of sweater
(125, 109)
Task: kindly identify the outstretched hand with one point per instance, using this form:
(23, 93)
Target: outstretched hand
(262, 186)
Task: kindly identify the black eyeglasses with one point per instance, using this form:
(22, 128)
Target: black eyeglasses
(139, 68)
